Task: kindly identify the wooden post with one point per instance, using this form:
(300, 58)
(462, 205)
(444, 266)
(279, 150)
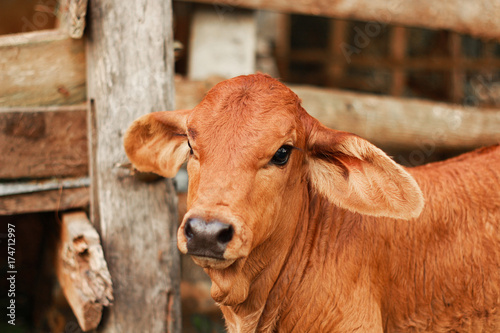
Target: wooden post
(398, 51)
(129, 73)
(336, 63)
(283, 45)
(457, 74)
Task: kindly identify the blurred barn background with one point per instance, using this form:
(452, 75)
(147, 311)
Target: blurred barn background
(419, 79)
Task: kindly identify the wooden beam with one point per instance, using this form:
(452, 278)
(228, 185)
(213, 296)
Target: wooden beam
(45, 201)
(478, 18)
(402, 123)
(388, 121)
(82, 271)
(31, 186)
(130, 73)
(43, 142)
(41, 68)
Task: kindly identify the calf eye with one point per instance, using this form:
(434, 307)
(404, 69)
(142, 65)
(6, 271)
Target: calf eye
(281, 156)
(190, 149)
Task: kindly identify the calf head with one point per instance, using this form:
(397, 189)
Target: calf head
(253, 155)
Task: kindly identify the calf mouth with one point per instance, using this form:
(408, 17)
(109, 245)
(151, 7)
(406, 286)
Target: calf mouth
(211, 262)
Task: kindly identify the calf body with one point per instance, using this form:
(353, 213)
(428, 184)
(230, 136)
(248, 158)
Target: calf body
(307, 229)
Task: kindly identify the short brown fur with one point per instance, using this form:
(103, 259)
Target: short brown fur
(339, 239)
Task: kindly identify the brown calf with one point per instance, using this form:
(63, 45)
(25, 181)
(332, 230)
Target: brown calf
(307, 229)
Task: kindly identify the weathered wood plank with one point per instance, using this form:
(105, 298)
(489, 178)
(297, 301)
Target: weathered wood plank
(43, 142)
(130, 72)
(399, 122)
(41, 68)
(386, 121)
(478, 18)
(82, 271)
(31, 186)
(45, 201)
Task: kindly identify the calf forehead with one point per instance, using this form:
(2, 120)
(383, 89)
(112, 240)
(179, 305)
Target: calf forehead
(246, 112)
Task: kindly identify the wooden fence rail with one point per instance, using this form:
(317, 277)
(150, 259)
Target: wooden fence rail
(477, 18)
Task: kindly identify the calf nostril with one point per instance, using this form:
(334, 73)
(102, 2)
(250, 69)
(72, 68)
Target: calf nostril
(188, 231)
(226, 234)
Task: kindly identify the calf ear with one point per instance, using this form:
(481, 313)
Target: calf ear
(157, 142)
(355, 175)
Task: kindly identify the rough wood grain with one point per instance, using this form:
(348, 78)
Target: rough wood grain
(130, 72)
(41, 68)
(43, 142)
(82, 271)
(72, 15)
(478, 18)
(402, 123)
(45, 201)
(31, 186)
(386, 121)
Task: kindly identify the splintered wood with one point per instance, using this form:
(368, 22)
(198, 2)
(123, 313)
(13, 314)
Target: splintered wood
(72, 16)
(82, 270)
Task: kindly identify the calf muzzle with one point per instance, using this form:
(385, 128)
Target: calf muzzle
(207, 239)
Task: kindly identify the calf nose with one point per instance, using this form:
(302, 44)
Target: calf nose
(207, 239)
